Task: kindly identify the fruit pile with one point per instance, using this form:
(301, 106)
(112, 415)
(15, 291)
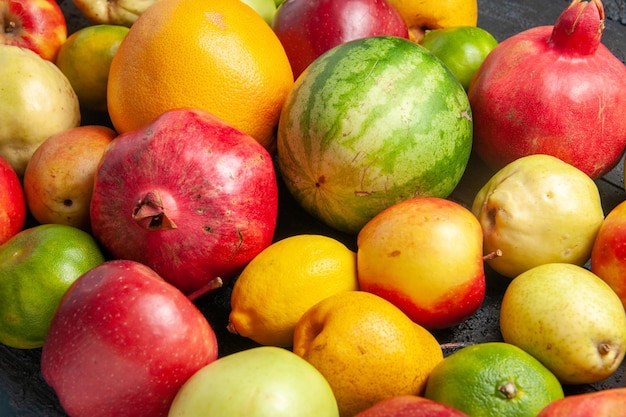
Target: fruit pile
(295, 207)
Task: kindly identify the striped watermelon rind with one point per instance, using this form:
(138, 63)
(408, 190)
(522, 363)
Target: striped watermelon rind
(372, 122)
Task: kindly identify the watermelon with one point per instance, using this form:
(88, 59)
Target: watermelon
(370, 123)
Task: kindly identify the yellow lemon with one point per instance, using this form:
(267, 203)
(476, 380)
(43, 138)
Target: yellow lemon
(284, 281)
(367, 349)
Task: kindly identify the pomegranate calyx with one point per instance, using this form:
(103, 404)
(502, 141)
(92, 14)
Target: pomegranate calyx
(149, 213)
(578, 30)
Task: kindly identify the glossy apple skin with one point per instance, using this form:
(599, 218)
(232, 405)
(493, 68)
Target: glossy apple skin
(308, 28)
(609, 402)
(38, 25)
(608, 255)
(425, 256)
(12, 202)
(123, 341)
(410, 406)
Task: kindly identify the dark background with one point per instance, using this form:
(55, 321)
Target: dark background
(24, 393)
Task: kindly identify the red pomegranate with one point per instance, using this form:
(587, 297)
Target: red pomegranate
(554, 90)
(188, 195)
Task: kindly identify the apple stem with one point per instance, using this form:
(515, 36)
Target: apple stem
(214, 284)
(492, 255)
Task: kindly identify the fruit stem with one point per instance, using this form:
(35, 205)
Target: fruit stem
(214, 284)
(149, 213)
(508, 389)
(492, 255)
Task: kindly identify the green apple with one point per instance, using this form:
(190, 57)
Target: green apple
(37, 102)
(569, 319)
(463, 49)
(257, 382)
(536, 210)
(265, 8)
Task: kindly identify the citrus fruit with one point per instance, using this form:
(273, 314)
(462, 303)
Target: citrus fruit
(283, 281)
(37, 266)
(85, 58)
(462, 48)
(367, 349)
(59, 178)
(218, 56)
(568, 318)
(493, 379)
(422, 15)
(372, 122)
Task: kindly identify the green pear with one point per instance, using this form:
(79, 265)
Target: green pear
(536, 210)
(568, 318)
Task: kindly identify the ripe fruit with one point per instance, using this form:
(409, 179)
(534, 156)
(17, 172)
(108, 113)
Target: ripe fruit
(608, 259)
(218, 56)
(308, 28)
(38, 102)
(567, 318)
(553, 90)
(423, 15)
(12, 203)
(197, 201)
(123, 341)
(462, 48)
(59, 178)
(37, 266)
(366, 348)
(605, 403)
(257, 382)
(537, 210)
(85, 58)
(410, 406)
(372, 122)
(404, 256)
(493, 379)
(283, 281)
(265, 8)
(38, 25)
(113, 12)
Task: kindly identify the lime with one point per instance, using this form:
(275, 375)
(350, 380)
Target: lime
(85, 58)
(493, 379)
(37, 266)
(463, 49)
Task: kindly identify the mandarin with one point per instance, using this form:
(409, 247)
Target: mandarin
(218, 56)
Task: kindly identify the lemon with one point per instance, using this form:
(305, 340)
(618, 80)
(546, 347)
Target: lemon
(284, 281)
(85, 58)
(37, 266)
(366, 348)
(493, 379)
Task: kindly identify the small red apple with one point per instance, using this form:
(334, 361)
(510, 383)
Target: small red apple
(410, 406)
(308, 28)
(122, 343)
(608, 254)
(12, 202)
(605, 403)
(38, 25)
(425, 255)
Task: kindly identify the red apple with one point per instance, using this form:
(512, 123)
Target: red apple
(605, 403)
(425, 255)
(38, 25)
(608, 254)
(410, 406)
(12, 202)
(308, 28)
(188, 195)
(122, 343)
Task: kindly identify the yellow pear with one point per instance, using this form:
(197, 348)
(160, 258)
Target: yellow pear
(569, 319)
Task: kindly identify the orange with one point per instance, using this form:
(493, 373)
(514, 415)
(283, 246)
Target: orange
(218, 55)
(37, 266)
(493, 379)
(285, 280)
(85, 58)
(423, 15)
(366, 348)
